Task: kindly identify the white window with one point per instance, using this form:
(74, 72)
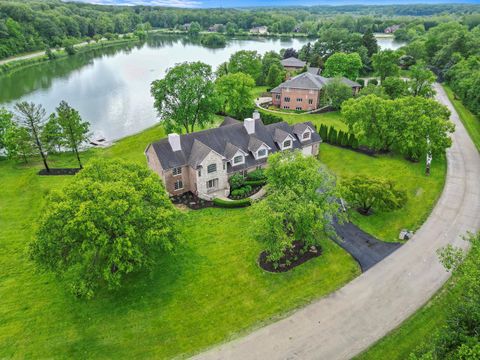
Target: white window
(178, 185)
(238, 160)
(306, 135)
(287, 144)
(261, 153)
(177, 171)
(212, 184)
(211, 168)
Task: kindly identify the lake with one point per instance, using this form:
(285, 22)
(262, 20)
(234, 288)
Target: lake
(111, 87)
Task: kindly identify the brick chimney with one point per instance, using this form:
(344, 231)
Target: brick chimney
(174, 140)
(249, 125)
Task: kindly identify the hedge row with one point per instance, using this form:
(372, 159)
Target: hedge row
(232, 203)
(332, 136)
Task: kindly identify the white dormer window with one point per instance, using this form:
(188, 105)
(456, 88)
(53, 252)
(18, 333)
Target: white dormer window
(237, 160)
(306, 135)
(261, 153)
(287, 144)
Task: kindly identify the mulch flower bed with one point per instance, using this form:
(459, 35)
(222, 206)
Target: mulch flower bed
(59, 171)
(191, 201)
(293, 258)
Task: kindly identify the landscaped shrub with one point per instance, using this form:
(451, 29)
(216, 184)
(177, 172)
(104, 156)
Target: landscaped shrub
(332, 136)
(242, 192)
(324, 133)
(373, 82)
(353, 141)
(254, 183)
(344, 142)
(236, 181)
(340, 137)
(232, 203)
(256, 175)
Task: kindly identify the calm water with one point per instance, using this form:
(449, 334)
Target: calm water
(111, 87)
(388, 42)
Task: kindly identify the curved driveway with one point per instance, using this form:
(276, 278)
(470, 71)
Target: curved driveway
(351, 319)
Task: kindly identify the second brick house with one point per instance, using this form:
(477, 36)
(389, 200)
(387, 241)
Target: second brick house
(303, 91)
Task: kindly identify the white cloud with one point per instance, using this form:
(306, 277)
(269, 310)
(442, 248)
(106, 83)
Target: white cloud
(174, 3)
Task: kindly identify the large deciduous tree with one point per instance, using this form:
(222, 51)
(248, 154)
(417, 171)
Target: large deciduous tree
(385, 63)
(32, 117)
(74, 130)
(113, 219)
(234, 90)
(18, 143)
(423, 127)
(395, 87)
(185, 98)
(370, 42)
(247, 62)
(421, 81)
(369, 193)
(300, 204)
(335, 93)
(370, 119)
(341, 64)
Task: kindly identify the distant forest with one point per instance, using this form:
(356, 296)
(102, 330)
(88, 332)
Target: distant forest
(29, 25)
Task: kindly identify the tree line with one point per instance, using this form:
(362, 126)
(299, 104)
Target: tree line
(32, 25)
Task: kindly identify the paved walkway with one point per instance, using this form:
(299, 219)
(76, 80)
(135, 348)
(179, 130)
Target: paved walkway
(348, 321)
(367, 250)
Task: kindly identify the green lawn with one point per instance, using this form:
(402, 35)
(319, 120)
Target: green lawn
(423, 191)
(209, 291)
(469, 120)
(422, 325)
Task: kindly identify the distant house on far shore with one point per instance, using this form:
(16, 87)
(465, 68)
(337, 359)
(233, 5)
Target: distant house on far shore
(391, 29)
(215, 28)
(259, 30)
(185, 27)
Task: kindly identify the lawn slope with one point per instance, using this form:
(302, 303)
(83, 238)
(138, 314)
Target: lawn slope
(208, 292)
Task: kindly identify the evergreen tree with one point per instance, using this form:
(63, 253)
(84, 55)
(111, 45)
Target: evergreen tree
(344, 142)
(332, 136)
(370, 42)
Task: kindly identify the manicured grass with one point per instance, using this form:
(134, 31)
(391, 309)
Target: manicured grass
(422, 191)
(469, 120)
(209, 291)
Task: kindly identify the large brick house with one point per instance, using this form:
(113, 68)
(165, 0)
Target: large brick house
(303, 91)
(203, 161)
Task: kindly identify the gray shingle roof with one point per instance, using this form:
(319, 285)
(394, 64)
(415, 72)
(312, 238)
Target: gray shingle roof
(314, 70)
(279, 135)
(225, 140)
(293, 62)
(310, 82)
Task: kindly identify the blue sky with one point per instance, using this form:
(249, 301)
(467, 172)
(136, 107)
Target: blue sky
(250, 3)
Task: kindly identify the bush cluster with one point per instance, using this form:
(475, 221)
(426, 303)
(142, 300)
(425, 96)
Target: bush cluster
(241, 192)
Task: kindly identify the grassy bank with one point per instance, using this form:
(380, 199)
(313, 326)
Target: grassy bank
(209, 291)
(16, 65)
(469, 120)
